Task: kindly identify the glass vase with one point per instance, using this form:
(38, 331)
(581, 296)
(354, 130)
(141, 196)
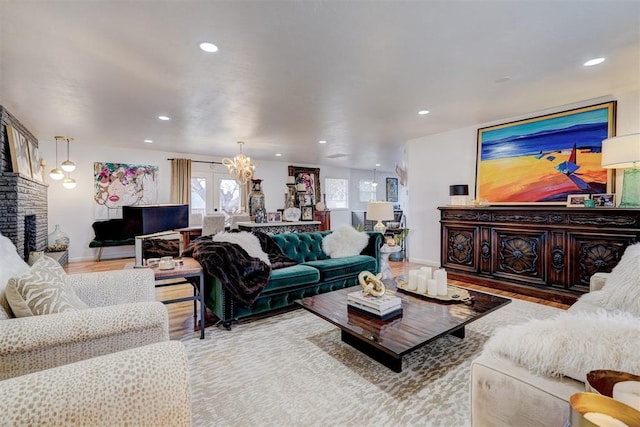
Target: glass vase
(57, 240)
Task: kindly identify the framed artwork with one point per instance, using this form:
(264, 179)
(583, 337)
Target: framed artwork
(307, 213)
(274, 216)
(36, 166)
(604, 200)
(577, 200)
(392, 189)
(307, 179)
(545, 159)
(121, 184)
(19, 149)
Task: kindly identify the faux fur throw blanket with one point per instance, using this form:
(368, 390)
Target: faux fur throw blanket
(243, 276)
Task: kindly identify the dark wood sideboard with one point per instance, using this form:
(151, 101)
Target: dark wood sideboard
(547, 252)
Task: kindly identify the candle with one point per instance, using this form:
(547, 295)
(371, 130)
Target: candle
(603, 420)
(422, 284)
(413, 280)
(427, 271)
(627, 392)
(440, 276)
(432, 287)
(291, 180)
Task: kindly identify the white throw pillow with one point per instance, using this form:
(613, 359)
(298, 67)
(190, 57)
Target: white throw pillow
(621, 291)
(246, 241)
(345, 241)
(572, 344)
(42, 290)
(11, 265)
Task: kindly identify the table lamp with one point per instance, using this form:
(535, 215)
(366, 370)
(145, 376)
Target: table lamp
(623, 152)
(380, 211)
(459, 194)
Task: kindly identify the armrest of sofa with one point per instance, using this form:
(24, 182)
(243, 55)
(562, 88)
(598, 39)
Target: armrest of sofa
(114, 287)
(597, 281)
(40, 342)
(373, 247)
(143, 386)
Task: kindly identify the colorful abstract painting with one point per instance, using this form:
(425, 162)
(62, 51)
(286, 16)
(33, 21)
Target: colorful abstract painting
(546, 158)
(120, 184)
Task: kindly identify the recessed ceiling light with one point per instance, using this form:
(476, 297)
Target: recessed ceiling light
(594, 61)
(377, 164)
(164, 118)
(278, 154)
(322, 142)
(423, 112)
(148, 141)
(208, 47)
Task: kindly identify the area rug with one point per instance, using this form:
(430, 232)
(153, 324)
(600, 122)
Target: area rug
(292, 370)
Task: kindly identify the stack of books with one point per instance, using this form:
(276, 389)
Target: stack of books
(383, 307)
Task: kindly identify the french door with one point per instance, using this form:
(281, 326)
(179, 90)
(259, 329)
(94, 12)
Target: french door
(215, 192)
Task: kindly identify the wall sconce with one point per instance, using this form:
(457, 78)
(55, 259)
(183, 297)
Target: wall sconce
(67, 166)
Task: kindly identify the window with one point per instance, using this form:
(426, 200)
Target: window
(367, 190)
(198, 195)
(337, 193)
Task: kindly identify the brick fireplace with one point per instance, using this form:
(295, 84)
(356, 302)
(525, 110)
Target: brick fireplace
(23, 201)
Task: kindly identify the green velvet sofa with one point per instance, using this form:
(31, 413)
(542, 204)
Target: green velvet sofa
(316, 273)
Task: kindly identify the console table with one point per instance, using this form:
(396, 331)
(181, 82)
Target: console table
(280, 227)
(548, 252)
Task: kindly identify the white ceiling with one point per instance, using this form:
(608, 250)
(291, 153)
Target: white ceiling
(290, 73)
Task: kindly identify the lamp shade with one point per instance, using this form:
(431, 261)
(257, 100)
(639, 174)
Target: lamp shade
(459, 190)
(621, 152)
(380, 211)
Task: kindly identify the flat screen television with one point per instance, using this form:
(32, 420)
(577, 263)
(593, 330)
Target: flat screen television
(150, 219)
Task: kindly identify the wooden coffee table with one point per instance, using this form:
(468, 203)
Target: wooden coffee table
(423, 320)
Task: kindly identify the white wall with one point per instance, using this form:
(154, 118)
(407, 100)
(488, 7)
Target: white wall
(74, 209)
(434, 162)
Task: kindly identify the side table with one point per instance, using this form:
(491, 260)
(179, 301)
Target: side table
(385, 251)
(189, 268)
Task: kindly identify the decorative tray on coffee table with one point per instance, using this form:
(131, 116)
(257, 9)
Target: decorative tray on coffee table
(454, 293)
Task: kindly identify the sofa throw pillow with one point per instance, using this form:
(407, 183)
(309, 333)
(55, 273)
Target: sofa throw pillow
(42, 290)
(621, 291)
(11, 265)
(572, 344)
(345, 241)
(246, 241)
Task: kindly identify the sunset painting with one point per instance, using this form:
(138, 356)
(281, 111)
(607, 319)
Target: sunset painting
(544, 159)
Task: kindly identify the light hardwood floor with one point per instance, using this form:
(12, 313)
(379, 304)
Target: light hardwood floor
(182, 322)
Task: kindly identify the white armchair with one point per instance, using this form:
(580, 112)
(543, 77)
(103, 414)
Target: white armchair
(123, 314)
(144, 386)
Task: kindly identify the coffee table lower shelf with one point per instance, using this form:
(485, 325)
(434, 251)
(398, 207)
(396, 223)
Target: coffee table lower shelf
(390, 360)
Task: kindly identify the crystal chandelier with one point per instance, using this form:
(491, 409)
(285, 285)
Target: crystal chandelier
(240, 167)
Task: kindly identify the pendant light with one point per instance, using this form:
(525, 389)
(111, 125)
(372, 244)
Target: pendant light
(240, 167)
(69, 183)
(68, 165)
(56, 173)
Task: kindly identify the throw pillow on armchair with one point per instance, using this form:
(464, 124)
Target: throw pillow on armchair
(11, 265)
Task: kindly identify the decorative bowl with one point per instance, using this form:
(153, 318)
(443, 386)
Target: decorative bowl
(602, 381)
(585, 407)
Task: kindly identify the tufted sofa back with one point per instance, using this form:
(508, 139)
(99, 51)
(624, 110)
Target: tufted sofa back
(302, 246)
(305, 247)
